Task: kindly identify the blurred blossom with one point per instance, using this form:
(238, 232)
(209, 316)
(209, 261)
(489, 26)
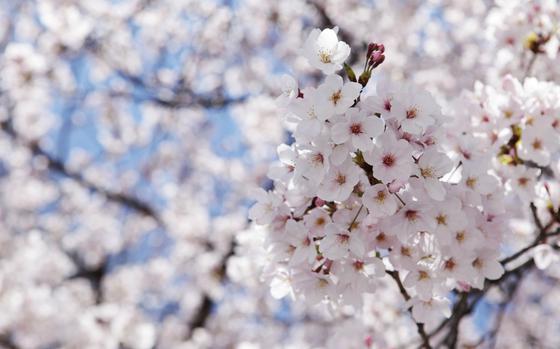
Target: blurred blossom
(134, 134)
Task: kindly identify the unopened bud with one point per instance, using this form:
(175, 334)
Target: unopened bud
(375, 54)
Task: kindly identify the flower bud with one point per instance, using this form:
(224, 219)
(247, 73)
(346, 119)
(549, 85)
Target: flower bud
(375, 54)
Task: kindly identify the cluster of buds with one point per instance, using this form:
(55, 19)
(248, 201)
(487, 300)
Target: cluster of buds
(375, 55)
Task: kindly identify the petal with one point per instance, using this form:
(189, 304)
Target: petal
(340, 133)
(351, 90)
(341, 53)
(286, 154)
(299, 256)
(280, 287)
(374, 126)
(339, 154)
(362, 142)
(493, 270)
(327, 40)
(307, 130)
(435, 188)
(357, 246)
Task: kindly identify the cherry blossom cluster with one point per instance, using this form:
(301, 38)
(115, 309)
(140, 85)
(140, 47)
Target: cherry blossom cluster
(519, 31)
(365, 190)
(515, 126)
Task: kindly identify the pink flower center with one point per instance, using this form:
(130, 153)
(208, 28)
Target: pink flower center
(411, 215)
(449, 264)
(411, 113)
(343, 238)
(388, 160)
(358, 265)
(356, 129)
(318, 158)
(387, 104)
(341, 179)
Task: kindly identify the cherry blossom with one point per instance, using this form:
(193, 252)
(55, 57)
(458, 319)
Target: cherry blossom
(324, 51)
(334, 97)
(358, 129)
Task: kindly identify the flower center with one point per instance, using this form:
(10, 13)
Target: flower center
(441, 219)
(387, 104)
(411, 215)
(471, 182)
(405, 251)
(318, 158)
(449, 264)
(537, 144)
(341, 179)
(335, 97)
(358, 265)
(422, 275)
(325, 57)
(343, 238)
(523, 181)
(427, 172)
(477, 263)
(388, 160)
(356, 129)
(380, 196)
(411, 113)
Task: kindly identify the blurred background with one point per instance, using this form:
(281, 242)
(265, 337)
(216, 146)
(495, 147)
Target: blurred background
(132, 132)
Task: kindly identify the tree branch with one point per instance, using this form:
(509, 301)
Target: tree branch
(58, 166)
(200, 319)
(420, 327)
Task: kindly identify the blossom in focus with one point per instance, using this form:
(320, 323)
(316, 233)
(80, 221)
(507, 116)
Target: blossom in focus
(324, 51)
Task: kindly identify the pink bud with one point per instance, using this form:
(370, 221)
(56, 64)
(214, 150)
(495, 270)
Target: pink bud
(319, 202)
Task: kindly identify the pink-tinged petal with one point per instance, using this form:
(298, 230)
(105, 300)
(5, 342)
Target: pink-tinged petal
(340, 133)
(435, 188)
(493, 270)
(357, 246)
(374, 126)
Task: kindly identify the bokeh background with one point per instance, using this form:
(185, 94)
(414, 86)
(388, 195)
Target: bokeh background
(132, 133)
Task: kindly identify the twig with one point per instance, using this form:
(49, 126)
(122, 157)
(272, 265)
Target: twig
(420, 327)
(59, 167)
(355, 217)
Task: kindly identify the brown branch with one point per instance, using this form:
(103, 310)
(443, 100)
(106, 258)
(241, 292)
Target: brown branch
(93, 275)
(535, 243)
(58, 166)
(182, 96)
(493, 335)
(542, 236)
(420, 327)
(6, 342)
(204, 311)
